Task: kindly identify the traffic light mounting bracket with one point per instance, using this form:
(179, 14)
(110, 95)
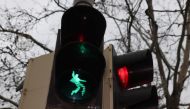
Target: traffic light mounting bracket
(107, 91)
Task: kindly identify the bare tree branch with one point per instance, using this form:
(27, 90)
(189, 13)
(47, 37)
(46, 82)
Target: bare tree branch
(27, 36)
(8, 100)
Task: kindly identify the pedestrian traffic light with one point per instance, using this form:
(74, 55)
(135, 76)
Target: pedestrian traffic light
(78, 62)
(130, 70)
(133, 69)
(79, 67)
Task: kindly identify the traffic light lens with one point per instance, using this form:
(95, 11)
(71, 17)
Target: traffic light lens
(79, 68)
(123, 75)
(83, 49)
(81, 38)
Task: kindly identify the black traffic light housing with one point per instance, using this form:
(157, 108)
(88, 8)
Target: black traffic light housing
(140, 98)
(131, 70)
(138, 66)
(83, 23)
(78, 62)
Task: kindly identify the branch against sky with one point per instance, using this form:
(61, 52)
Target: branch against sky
(22, 39)
(9, 100)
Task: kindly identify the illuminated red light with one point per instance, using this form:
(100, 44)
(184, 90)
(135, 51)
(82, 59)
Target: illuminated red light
(123, 75)
(81, 38)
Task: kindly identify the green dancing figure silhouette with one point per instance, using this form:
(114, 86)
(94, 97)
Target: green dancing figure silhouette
(77, 81)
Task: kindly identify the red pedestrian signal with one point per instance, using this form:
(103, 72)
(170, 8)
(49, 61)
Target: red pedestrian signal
(123, 75)
(134, 69)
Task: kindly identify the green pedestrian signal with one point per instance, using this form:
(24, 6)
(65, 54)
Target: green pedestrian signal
(79, 67)
(78, 82)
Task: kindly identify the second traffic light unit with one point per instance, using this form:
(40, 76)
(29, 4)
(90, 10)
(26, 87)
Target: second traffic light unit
(130, 70)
